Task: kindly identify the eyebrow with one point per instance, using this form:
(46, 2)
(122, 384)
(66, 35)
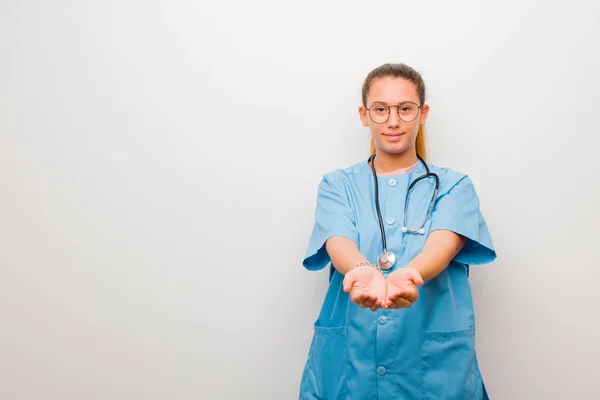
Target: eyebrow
(402, 102)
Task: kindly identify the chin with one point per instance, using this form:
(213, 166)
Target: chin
(393, 149)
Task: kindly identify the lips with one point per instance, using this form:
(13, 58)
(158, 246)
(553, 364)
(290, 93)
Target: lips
(393, 136)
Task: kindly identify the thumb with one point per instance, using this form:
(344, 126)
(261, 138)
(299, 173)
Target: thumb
(415, 276)
(348, 282)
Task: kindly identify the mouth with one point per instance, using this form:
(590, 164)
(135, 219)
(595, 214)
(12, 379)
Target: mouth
(393, 136)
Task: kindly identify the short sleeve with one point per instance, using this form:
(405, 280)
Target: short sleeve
(333, 217)
(458, 211)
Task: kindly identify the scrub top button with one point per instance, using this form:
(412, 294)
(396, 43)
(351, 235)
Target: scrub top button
(390, 220)
(392, 182)
(381, 371)
(382, 319)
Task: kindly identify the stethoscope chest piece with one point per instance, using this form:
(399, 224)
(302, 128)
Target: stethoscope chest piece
(386, 260)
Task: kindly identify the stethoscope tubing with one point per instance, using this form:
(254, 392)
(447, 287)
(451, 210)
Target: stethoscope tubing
(405, 228)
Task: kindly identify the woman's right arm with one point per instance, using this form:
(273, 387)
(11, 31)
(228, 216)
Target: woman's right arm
(344, 253)
(366, 285)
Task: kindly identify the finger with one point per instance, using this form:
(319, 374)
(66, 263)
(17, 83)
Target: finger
(388, 303)
(368, 302)
(393, 293)
(401, 302)
(376, 301)
(396, 298)
(358, 298)
(414, 275)
(355, 298)
(407, 297)
(348, 282)
(410, 295)
(375, 306)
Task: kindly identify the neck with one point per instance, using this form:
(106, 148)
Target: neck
(386, 162)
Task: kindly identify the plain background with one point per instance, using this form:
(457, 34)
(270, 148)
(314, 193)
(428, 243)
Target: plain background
(159, 168)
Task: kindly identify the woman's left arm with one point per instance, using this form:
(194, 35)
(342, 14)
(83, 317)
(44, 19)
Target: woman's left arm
(440, 248)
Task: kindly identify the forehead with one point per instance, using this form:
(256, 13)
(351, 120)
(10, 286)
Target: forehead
(392, 91)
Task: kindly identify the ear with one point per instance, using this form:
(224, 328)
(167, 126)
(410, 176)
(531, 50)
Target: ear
(424, 113)
(362, 112)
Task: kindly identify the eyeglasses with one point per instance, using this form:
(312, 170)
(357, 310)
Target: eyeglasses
(380, 112)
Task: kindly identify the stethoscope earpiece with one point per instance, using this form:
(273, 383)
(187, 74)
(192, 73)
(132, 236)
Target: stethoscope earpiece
(420, 231)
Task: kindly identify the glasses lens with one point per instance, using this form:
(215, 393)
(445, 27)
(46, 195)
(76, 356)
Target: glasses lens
(408, 111)
(379, 113)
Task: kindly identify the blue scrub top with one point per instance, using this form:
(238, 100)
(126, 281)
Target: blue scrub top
(423, 352)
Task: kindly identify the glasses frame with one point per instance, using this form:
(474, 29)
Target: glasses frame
(390, 110)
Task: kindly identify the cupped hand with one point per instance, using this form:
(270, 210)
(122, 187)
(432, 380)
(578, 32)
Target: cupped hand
(367, 287)
(402, 288)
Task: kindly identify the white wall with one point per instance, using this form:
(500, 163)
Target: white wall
(159, 165)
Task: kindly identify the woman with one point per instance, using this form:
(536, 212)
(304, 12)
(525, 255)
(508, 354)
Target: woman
(396, 324)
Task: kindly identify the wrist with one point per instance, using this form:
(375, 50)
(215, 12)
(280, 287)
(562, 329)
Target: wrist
(368, 264)
(407, 268)
(415, 265)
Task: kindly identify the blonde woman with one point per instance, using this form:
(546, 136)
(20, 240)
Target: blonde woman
(400, 234)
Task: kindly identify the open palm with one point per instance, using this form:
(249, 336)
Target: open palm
(367, 287)
(402, 288)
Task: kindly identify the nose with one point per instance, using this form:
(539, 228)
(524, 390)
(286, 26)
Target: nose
(394, 119)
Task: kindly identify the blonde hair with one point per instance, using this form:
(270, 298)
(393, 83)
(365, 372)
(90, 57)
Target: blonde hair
(408, 73)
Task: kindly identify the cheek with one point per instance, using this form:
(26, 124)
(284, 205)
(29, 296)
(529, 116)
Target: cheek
(414, 127)
(374, 128)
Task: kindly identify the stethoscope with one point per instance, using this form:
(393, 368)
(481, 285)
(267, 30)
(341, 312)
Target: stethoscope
(387, 258)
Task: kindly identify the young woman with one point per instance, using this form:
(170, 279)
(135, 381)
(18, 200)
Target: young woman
(397, 320)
